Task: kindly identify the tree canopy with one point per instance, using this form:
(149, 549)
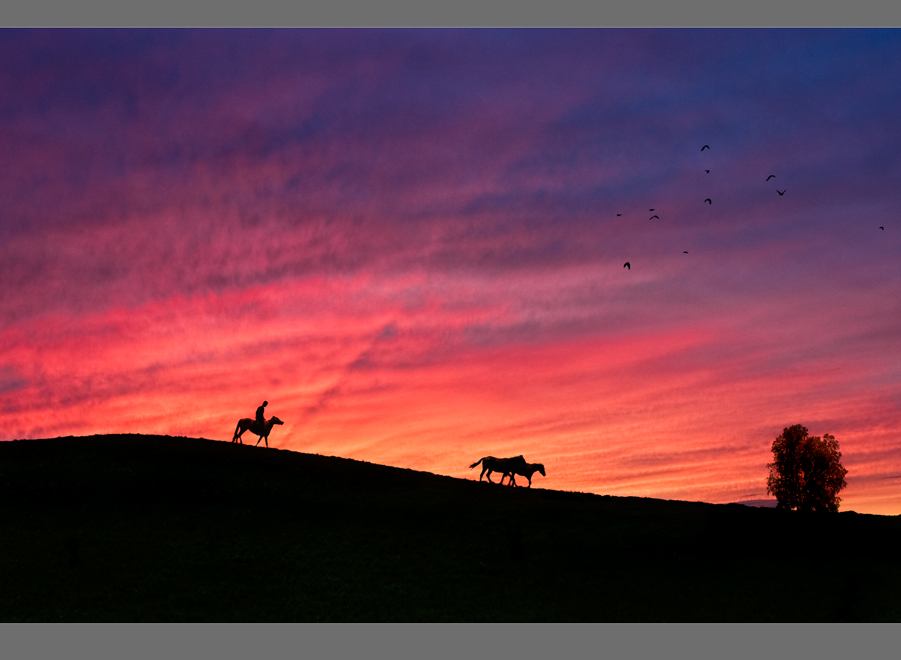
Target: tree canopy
(806, 473)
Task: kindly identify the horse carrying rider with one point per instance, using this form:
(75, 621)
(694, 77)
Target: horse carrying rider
(261, 417)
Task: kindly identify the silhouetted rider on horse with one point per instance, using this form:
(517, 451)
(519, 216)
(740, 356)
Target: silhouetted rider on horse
(259, 426)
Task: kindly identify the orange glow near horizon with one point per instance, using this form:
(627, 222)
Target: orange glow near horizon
(629, 415)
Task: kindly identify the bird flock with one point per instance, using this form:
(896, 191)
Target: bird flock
(709, 201)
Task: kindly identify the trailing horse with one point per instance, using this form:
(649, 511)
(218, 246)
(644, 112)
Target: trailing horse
(491, 464)
(247, 424)
(526, 470)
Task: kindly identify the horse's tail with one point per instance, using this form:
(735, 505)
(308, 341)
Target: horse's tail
(476, 463)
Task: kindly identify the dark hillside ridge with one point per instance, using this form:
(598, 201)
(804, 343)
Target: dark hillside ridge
(157, 528)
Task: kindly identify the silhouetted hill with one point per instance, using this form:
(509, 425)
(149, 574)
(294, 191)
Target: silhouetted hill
(155, 528)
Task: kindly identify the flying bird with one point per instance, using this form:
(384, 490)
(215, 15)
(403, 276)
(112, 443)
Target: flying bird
(650, 209)
(882, 228)
(683, 252)
(654, 216)
(706, 146)
(708, 171)
(708, 201)
(618, 214)
(771, 176)
(626, 265)
(781, 192)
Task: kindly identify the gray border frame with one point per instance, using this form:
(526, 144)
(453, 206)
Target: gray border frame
(452, 640)
(422, 13)
(440, 641)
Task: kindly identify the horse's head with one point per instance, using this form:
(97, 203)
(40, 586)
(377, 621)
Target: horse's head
(540, 469)
(275, 420)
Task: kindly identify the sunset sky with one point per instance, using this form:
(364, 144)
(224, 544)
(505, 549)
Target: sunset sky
(409, 243)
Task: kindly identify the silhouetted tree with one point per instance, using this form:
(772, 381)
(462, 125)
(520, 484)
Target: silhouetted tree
(807, 473)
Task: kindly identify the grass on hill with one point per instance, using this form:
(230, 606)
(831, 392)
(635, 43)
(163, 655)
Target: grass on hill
(135, 528)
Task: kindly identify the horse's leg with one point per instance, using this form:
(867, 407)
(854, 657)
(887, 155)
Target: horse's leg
(484, 470)
(489, 477)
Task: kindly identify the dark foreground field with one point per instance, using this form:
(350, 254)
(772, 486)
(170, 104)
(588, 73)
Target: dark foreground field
(137, 528)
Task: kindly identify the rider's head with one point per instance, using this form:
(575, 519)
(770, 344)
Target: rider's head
(265, 403)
